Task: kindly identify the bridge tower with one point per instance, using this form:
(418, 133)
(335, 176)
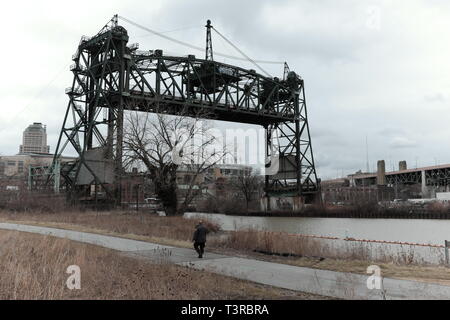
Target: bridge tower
(110, 77)
(93, 122)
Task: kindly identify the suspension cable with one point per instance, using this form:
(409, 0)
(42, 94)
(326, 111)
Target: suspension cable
(197, 47)
(242, 53)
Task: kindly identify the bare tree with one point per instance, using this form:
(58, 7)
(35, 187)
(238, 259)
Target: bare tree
(164, 144)
(248, 185)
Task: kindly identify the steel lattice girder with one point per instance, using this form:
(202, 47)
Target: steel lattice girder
(111, 77)
(435, 176)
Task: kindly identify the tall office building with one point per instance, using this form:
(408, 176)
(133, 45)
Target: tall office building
(35, 139)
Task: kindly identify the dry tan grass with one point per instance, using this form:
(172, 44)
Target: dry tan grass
(81, 228)
(275, 242)
(286, 244)
(117, 222)
(34, 267)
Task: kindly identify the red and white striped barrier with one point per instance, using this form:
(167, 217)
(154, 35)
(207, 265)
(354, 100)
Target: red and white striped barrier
(364, 240)
(397, 242)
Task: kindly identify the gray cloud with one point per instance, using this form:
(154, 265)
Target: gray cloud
(402, 142)
(437, 97)
(389, 83)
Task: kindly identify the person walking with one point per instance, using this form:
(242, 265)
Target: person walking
(199, 238)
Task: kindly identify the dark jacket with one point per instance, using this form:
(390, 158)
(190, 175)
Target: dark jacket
(200, 234)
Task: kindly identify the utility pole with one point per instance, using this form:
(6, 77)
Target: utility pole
(367, 155)
(137, 197)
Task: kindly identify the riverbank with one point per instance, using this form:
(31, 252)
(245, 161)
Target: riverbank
(341, 285)
(359, 211)
(177, 231)
(34, 267)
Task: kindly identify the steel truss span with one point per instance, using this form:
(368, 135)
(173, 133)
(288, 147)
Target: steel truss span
(111, 76)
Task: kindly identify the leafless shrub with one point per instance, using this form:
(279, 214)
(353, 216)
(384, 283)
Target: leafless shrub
(231, 205)
(27, 201)
(406, 255)
(275, 243)
(210, 204)
(438, 207)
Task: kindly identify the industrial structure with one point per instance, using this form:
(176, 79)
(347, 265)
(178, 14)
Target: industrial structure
(430, 179)
(17, 165)
(211, 184)
(111, 77)
(404, 183)
(32, 161)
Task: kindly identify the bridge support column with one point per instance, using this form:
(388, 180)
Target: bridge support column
(282, 203)
(424, 185)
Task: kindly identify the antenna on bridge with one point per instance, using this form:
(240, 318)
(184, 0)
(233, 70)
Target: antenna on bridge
(209, 50)
(367, 155)
(286, 71)
(115, 20)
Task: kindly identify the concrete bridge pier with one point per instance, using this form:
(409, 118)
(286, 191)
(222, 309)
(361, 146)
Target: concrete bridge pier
(282, 203)
(425, 191)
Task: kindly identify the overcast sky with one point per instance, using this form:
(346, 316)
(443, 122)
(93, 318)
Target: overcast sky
(371, 68)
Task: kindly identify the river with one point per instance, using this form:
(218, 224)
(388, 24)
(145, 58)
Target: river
(403, 230)
(421, 231)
